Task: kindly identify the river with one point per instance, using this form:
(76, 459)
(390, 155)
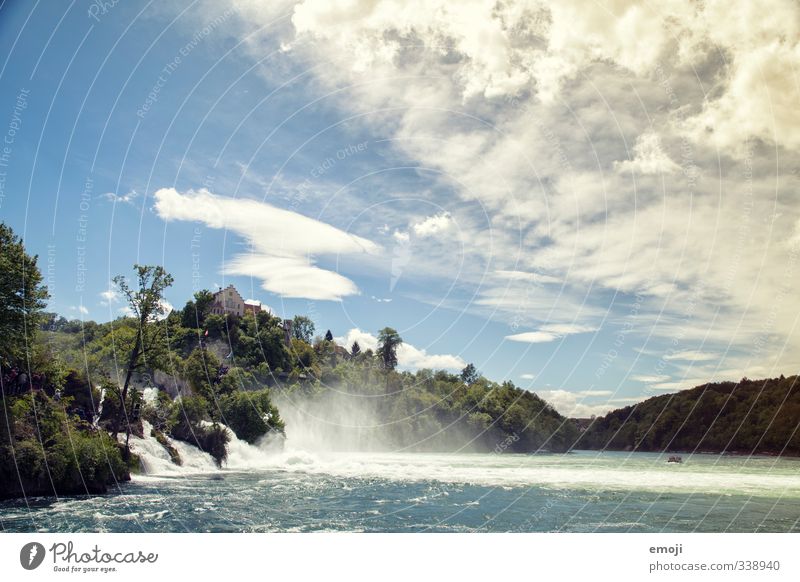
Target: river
(264, 490)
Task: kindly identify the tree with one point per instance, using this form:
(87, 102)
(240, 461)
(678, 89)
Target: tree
(146, 301)
(328, 336)
(22, 297)
(250, 415)
(355, 349)
(388, 342)
(302, 328)
(204, 372)
(195, 312)
(470, 375)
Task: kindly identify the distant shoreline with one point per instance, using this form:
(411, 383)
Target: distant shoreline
(770, 454)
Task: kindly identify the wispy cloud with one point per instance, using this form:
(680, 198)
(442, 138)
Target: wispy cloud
(692, 356)
(577, 186)
(550, 332)
(285, 244)
(127, 198)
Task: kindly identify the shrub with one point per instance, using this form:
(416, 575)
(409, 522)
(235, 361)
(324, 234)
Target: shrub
(45, 451)
(250, 415)
(190, 423)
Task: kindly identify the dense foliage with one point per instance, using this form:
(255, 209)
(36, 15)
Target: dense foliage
(230, 363)
(45, 449)
(751, 416)
(22, 297)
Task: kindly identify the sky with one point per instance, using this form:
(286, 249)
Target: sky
(595, 200)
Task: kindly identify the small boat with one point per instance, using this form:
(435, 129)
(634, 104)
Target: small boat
(675, 459)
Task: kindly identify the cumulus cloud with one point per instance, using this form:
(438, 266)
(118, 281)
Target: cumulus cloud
(761, 87)
(110, 296)
(433, 225)
(414, 358)
(527, 112)
(409, 357)
(574, 404)
(649, 157)
(285, 244)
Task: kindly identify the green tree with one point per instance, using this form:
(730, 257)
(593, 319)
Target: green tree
(146, 301)
(250, 415)
(470, 374)
(22, 297)
(328, 336)
(388, 342)
(196, 311)
(204, 372)
(355, 349)
(303, 328)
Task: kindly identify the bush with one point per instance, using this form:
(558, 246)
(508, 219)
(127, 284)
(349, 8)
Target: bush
(250, 415)
(45, 451)
(190, 423)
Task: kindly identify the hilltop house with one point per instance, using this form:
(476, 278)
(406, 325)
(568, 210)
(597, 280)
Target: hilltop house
(228, 301)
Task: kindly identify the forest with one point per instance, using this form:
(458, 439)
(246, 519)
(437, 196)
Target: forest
(745, 417)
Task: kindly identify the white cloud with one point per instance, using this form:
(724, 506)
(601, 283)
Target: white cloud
(110, 296)
(408, 356)
(401, 237)
(535, 278)
(365, 340)
(572, 404)
(80, 309)
(692, 356)
(127, 198)
(760, 86)
(677, 386)
(649, 157)
(550, 332)
(527, 376)
(414, 358)
(433, 225)
(284, 243)
(533, 337)
(650, 379)
(561, 89)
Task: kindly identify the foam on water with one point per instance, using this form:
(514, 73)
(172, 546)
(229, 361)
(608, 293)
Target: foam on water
(156, 460)
(585, 471)
(641, 472)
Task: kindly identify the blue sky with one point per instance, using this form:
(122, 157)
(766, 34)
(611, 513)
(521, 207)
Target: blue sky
(518, 188)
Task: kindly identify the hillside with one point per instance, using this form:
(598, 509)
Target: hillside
(750, 416)
(316, 382)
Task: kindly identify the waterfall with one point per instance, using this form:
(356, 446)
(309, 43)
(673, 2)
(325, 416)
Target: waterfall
(156, 460)
(242, 456)
(96, 417)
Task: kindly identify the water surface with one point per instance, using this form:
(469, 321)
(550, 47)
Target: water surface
(412, 492)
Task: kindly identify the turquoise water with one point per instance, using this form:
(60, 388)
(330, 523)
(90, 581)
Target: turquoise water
(396, 492)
